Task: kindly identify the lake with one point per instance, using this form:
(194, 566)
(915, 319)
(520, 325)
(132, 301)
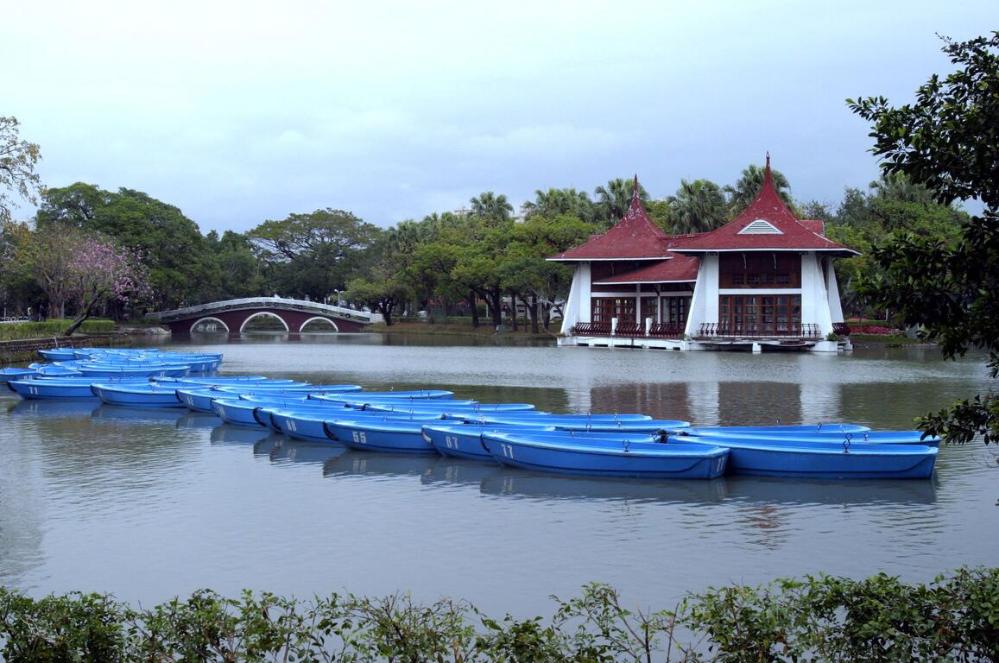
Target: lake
(149, 504)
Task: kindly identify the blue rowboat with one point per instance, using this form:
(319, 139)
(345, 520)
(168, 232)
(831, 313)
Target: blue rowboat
(8, 374)
(381, 396)
(782, 429)
(308, 424)
(51, 388)
(225, 380)
(381, 435)
(359, 403)
(54, 370)
(603, 456)
(448, 405)
(465, 440)
(295, 389)
(57, 354)
(823, 460)
(547, 419)
(241, 412)
(148, 370)
(872, 437)
(650, 426)
(136, 395)
(236, 412)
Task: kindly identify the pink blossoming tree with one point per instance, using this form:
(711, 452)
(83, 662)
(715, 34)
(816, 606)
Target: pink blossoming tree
(101, 272)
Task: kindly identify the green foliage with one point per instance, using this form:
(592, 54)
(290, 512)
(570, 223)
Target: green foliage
(614, 199)
(313, 254)
(948, 142)
(169, 243)
(53, 327)
(881, 619)
(839, 619)
(18, 159)
(699, 206)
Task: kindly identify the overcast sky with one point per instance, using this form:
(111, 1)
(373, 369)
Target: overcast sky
(238, 112)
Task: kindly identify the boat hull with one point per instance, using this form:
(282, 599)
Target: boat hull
(602, 457)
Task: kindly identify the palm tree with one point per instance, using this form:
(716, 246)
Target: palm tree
(698, 206)
(745, 190)
(490, 206)
(614, 199)
(896, 186)
(556, 202)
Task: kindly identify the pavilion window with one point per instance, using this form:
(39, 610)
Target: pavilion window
(759, 315)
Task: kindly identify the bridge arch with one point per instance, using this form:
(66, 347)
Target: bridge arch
(332, 324)
(209, 318)
(266, 314)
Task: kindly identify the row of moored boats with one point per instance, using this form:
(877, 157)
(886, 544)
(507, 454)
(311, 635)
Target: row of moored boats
(434, 421)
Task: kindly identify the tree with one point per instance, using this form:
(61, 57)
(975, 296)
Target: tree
(745, 190)
(175, 252)
(490, 206)
(947, 141)
(698, 206)
(17, 167)
(558, 202)
(101, 272)
(316, 253)
(614, 199)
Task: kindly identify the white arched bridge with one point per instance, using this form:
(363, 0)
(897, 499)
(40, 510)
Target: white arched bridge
(232, 315)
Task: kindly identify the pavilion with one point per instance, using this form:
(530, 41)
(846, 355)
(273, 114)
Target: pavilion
(764, 280)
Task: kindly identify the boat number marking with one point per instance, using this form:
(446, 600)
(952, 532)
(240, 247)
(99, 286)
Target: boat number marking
(451, 442)
(359, 437)
(507, 450)
(291, 425)
(33, 391)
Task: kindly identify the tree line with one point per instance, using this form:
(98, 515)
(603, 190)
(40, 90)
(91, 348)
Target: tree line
(474, 261)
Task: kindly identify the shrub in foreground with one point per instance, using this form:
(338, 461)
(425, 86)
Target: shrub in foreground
(954, 618)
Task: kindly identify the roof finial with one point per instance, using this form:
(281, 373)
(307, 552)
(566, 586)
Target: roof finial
(635, 197)
(767, 176)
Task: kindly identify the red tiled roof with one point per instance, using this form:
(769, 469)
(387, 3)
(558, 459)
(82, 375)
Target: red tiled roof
(679, 268)
(634, 237)
(767, 208)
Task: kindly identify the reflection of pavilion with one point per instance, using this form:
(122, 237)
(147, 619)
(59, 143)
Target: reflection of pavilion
(716, 403)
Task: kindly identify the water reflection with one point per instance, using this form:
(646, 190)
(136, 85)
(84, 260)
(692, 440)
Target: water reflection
(459, 472)
(288, 450)
(55, 408)
(513, 483)
(197, 420)
(226, 434)
(362, 463)
(139, 414)
(761, 490)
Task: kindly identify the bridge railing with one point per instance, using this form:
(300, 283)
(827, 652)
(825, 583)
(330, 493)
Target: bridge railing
(263, 302)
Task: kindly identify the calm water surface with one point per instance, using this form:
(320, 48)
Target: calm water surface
(151, 504)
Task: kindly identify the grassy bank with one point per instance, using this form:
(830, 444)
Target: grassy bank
(17, 331)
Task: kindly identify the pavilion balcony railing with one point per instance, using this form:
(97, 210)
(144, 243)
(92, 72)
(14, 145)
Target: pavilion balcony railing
(665, 330)
(592, 329)
(792, 330)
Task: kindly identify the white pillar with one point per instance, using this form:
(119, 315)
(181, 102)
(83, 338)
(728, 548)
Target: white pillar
(613, 326)
(704, 303)
(832, 289)
(577, 306)
(814, 299)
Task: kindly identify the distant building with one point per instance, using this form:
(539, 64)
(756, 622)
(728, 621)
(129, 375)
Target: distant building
(763, 280)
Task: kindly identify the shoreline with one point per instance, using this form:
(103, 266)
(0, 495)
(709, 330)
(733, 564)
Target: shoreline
(23, 350)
